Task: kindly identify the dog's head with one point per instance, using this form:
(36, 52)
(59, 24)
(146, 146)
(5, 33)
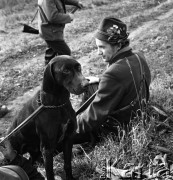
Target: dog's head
(64, 72)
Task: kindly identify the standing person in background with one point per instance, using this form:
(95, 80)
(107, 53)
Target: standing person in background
(52, 18)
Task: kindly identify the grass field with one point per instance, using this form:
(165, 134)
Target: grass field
(150, 24)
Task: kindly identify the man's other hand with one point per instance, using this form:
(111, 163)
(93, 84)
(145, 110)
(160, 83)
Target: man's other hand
(92, 79)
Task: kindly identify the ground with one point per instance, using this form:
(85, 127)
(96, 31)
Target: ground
(22, 55)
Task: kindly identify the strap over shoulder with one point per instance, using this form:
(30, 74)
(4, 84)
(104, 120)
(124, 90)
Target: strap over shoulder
(143, 84)
(43, 14)
(144, 81)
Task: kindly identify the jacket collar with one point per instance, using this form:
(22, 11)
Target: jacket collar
(126, 51)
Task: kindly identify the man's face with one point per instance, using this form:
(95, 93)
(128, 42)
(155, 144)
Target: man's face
(106, 50)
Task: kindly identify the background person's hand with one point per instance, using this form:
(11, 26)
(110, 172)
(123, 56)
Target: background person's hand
(79, 5)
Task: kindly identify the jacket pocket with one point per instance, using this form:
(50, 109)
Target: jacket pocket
(57, 28)
(52, 32)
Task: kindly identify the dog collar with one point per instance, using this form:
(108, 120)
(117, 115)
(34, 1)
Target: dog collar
(40, 102)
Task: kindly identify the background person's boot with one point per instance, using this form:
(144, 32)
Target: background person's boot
(49, 54)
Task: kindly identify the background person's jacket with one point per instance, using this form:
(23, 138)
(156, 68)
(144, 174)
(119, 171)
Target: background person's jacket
(116, 90)
(52, 18)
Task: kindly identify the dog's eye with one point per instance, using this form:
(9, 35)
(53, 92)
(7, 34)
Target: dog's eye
(66, 71)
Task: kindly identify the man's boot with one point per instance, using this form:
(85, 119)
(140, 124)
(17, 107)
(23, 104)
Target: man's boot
(49, 54)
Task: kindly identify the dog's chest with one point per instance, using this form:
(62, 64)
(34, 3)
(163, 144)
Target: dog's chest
(57, 120)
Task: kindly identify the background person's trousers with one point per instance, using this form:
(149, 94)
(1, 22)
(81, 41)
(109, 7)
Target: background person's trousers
(56, 48)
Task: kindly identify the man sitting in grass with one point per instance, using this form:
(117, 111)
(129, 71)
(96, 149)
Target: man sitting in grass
(123, 87)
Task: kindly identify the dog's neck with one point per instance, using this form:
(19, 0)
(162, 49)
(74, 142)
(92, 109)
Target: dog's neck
(49, 99)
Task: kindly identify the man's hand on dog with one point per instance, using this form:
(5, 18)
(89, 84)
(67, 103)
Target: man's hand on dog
(92, 79)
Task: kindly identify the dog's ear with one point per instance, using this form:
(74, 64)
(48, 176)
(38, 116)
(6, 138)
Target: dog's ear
(49, 83)
(48, 79)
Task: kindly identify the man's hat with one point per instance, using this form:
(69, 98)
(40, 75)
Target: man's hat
(112, 30)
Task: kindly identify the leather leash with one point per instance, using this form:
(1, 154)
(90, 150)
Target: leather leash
(20, 126)
(29, 118)
(40, 109)
(86, 104)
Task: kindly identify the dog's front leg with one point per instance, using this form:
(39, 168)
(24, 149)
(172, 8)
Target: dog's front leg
(48, 163)
(67, 151)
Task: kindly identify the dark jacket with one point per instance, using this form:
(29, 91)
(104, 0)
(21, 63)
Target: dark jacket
(52, 18)
(116, 90)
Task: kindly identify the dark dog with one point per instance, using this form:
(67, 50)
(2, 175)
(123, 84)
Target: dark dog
(57, 122)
